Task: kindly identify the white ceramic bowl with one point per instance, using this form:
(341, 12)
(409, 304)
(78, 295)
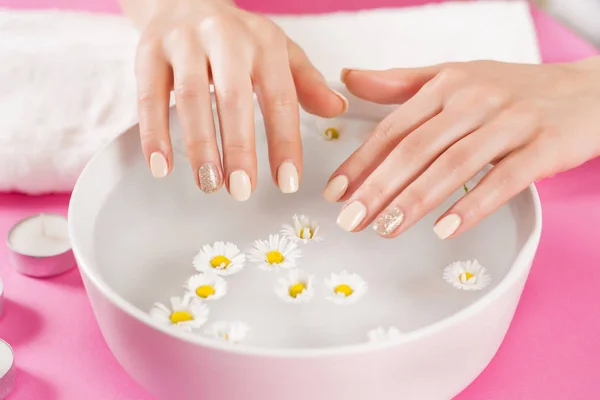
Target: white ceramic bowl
(134, 238)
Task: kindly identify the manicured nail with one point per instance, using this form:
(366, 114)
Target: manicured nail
(342, 98)
(351, 216)
(388, 221)
(287, 178)
(210, 178)
(239, 185)
(336, 188)
(158, 165)
(447, 226)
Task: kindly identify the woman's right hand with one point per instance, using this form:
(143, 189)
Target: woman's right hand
(186, 45)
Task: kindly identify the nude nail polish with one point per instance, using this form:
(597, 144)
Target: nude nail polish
(287, 178)
(240, 186)
(343, 99)
(388, 221)
(351, 216)
(446, 226)
(158, 165)
(336, 188)
(209, 178)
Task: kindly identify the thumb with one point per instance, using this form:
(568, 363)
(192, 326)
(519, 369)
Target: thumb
(392, 86)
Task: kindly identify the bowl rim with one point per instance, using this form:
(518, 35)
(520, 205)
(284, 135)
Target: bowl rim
(520, 265)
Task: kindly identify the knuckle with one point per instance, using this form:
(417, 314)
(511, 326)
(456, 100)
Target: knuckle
(147, 97)
(216, 24)
(231, 97)
(526, 115)
(451, 75)
(238, 149)
(182, 33)
(188, 89)
(149, 134)
(281, 102)
(385, 130)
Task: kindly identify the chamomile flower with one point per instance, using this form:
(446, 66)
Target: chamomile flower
(381, 334)
(345, 288)
(232, 332)
(303, 230)
(467, 275)
(277, 252)
(296, 287)
(186, 313)
(207, 286)
(222, 258)
(331, 129)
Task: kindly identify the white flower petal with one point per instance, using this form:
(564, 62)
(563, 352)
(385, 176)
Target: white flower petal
(303, 230)
(467, 275)
(284, 286)
(186, 304)
(345, 288)
(207, 286)
(232, 260)
(381, 334)
(263, 249)
(231, 332)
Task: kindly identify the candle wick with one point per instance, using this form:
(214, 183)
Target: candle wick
(43, 225)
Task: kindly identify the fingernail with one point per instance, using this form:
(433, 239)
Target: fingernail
(447, 226)
(287, 178)
(352, 215)
(210, 178)
(239, 185)
(336, 188)
(388, 221)
(342, 98)
(158, 165)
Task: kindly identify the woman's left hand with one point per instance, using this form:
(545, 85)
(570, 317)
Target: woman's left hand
(530, 121)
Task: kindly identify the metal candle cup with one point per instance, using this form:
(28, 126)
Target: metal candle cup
(8, 372)
(39, 246)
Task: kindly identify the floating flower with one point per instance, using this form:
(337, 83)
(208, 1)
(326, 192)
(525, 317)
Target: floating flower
(186, 313)
(331, 129)
(232, 332)
(467, 275)
(304, 230)
(381, 334)
(207, 286)
(345, 288)
(277, 252)
(221, 258)
(297, 287)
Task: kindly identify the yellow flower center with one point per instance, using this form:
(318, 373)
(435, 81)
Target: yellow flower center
(465, 276)
(205, 291)
(332, 134)
(344, 289)
(296, 289)
(220, 262)
(275, 257)
(306, 233)
(181, 316)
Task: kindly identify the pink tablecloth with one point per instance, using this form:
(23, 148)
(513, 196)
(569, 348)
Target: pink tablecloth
(551, 351)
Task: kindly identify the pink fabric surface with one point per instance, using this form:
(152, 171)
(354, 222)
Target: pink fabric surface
(550, 352)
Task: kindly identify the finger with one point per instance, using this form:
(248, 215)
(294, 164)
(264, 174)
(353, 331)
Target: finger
(194, 108)
(235, 107)
(353, 171)
(392, 86)
(154, 78)
(465, 112)
(461, 162)
(276, 95)
(315, 96)
(507, 179)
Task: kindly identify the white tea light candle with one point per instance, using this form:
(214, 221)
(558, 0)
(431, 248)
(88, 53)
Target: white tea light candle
(7, 369)
(39, 245)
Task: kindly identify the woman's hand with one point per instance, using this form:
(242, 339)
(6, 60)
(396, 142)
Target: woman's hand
(186, 44)
(529, 121)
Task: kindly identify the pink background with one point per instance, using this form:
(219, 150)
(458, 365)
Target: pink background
(552, 350)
